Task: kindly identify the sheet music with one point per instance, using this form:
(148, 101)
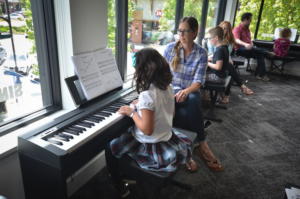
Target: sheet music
(97, 72)
(293, 36)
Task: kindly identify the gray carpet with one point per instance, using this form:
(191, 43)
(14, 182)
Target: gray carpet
(258, 144)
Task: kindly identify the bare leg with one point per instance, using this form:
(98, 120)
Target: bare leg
(208, 155)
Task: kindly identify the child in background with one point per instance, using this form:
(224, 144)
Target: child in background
(151, 142)
(282, 44)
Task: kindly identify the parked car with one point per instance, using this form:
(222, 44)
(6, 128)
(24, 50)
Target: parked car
(22, 13)
(15, 16)
(24, 63)
(3, 54)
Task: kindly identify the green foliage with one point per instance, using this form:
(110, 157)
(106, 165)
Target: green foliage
(35, 69)
(29, 23)
(15, 30)
(276, 14)
(169, 8)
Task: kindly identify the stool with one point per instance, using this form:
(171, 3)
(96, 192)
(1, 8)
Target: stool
(160, 179)
(284, 61)
(213, 97)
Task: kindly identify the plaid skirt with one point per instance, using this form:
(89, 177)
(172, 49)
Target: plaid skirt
(161, 156)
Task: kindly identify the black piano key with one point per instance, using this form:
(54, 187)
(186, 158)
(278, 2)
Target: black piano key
(111, 109)
(118, 104)
(92, 120)
(61, 138)
(65, 135)
(88, 123)
(96, 117)
(77, 127)
(85, 125)
(105, 114)
(71, 132)
(124, 101)
(54, 142)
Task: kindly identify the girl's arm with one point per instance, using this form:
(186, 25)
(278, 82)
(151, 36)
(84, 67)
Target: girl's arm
(274, 46)
(217, 66)
(145, 124)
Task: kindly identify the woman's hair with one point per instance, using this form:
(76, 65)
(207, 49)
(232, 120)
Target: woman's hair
(229, 38)
(151, 68)
(193, 23)
(217, 31)
(285, 33)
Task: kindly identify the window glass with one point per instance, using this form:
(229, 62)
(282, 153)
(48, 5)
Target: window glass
(252, 6)
(275, 15)
(111, 21)
(193, 9)
(150, 24)
(211, 20)
(20, 85)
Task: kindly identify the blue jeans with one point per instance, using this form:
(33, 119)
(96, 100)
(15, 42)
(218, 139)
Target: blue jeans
(189, 116)
(255, 53)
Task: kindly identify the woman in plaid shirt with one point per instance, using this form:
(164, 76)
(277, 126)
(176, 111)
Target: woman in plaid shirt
(188, 63)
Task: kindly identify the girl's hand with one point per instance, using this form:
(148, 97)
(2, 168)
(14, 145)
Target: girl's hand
(231, 62)
(181, 95)
(134, 103)
(125, 110)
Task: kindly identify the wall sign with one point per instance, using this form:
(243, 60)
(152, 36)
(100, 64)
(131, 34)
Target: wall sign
(10, 92)
(158, 13)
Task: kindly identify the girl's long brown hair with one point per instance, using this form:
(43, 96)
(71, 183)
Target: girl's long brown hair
(193, 23)
(229, 38)
(151, 68)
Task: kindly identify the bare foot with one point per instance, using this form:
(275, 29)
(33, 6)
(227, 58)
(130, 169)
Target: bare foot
(192, 166)
(207, 154)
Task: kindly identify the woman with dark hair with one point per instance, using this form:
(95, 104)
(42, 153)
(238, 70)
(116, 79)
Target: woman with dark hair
(229, 41)
(151, 142)
(188, 63)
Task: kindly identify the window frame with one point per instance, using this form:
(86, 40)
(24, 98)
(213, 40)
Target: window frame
(46, 45)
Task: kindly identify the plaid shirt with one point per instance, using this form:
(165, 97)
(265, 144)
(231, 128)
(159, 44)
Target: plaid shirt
(190, 70)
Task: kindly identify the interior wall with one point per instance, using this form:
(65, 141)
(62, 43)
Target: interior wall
(81, 27)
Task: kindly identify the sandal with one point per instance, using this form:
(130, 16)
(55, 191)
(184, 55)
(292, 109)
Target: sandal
(225, 100)
(247, 91)
(207, 161)
(190, 164)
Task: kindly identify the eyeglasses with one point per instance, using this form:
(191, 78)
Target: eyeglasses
(184, 32)
(209, 38)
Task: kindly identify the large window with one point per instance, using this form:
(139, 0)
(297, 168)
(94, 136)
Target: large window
(278, 14)
(252, 6)
(211, 20)
(29, 87)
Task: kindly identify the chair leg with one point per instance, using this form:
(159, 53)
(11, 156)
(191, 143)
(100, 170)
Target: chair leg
(156, 192)
(182, 185)
(248, 66)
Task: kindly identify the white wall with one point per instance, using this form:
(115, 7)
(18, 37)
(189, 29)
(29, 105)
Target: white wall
(81, 27)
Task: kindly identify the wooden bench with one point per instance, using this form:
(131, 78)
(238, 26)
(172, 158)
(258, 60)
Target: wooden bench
(214, 89)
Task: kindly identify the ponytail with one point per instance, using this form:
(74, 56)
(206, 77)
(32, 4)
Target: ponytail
(176, 59)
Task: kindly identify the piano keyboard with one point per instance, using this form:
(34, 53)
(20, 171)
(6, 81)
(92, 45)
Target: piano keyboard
(84, 130)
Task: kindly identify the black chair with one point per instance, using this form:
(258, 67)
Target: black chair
(217, 88)
(284, 61)
(160, 179)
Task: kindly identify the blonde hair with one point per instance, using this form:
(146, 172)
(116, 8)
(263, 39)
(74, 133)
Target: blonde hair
(285, 33)
(229, 38)
(193, 23)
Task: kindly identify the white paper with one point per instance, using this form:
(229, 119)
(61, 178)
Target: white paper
(289, 193)
(97, 72)
(293, 36)
(296, 192)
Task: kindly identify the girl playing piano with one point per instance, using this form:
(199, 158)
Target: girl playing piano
(151, 141)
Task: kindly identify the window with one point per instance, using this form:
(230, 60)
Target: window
(252, 6)
(275, 15)
(29, 87)
(150, 24)
(211, 20)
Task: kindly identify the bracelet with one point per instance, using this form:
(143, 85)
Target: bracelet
(131, 114)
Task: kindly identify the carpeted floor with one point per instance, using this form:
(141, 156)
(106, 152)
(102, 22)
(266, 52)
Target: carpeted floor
(258, 144)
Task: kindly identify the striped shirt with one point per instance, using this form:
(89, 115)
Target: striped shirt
(190, 70)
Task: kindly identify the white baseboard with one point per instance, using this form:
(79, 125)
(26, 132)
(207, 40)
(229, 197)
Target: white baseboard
(85, 173)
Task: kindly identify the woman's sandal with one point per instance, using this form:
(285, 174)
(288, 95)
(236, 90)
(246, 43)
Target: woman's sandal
(190, 164)
(207, 161)
(225, 100)
(247, 91)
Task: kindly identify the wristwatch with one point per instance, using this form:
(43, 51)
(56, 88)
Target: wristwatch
(131, 114)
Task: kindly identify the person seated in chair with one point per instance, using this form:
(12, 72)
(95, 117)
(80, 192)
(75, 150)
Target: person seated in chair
(151, 141)
(244, 46)
(229, 41)
(218, 68)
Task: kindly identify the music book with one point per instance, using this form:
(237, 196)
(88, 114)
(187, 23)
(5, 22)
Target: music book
(293, 36)
(97, 72)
